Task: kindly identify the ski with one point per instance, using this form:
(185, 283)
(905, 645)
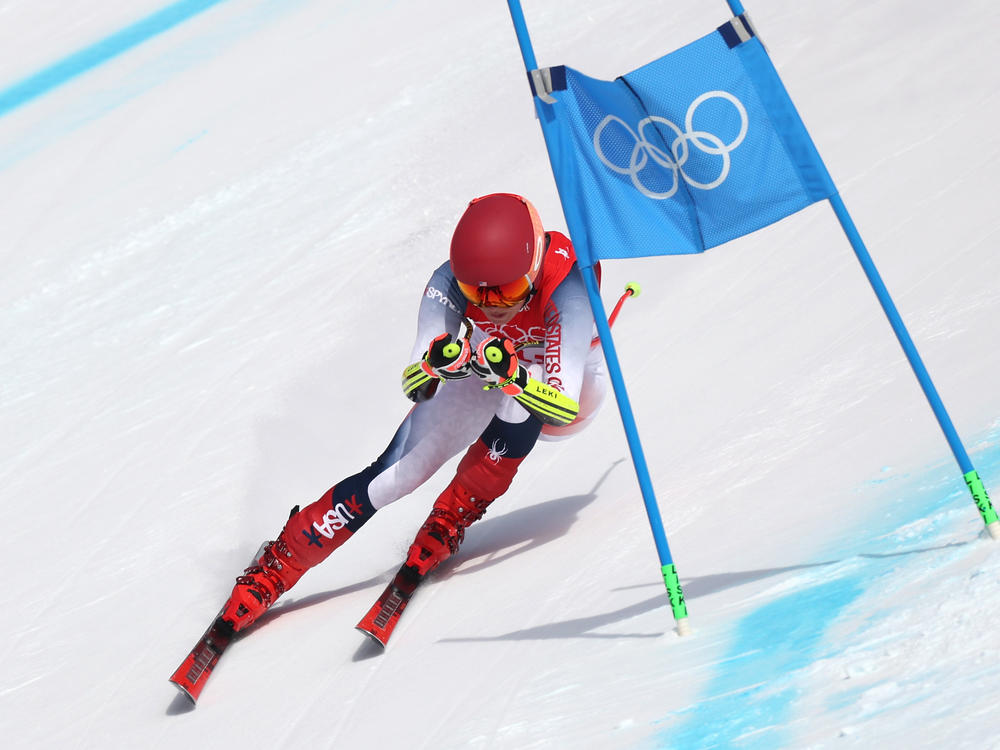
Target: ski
(382, 618)
(194, 671)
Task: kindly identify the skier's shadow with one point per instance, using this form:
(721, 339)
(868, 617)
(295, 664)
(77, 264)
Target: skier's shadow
(294, 605)
(494, 540)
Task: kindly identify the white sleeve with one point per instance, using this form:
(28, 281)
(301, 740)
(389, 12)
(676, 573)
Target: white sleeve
(441, 310)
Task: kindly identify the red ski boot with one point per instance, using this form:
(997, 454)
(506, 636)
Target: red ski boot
(308, 538)
(444, 530)
(481, 477)
(437, 540)
(261, 584)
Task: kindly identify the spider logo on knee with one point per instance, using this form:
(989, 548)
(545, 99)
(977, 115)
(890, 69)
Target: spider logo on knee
(496, 453)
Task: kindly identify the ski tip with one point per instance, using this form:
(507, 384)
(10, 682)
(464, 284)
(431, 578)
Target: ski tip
(373, 636)
(190, 677)
(183, 690)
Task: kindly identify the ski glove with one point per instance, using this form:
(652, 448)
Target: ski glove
(495, 361)
(446, 359)
(418, 385)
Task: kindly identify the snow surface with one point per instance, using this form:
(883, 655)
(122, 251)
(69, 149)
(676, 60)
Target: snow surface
(213, 245)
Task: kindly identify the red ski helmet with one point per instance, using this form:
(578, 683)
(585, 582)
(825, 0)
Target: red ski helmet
(497, 249)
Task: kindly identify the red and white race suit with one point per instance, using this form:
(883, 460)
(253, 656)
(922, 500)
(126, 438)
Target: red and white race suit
(494, 429)
(558, 326)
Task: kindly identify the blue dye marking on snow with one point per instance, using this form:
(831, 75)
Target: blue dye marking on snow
(191, 140)
(100, 52)
(748, 704)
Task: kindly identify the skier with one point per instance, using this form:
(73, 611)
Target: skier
(507, 324)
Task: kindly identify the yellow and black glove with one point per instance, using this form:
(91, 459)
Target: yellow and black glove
(447, 358)
(495, 362)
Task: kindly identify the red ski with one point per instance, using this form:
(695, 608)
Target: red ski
(194, 671)
(381, 619)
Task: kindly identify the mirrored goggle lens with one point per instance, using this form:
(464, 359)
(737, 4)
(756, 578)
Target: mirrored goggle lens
(503, 295)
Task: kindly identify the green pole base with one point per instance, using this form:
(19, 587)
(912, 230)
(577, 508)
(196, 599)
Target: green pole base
(983, 503)
(676, 595)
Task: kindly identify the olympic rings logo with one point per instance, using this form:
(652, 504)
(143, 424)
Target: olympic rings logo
(644, 152)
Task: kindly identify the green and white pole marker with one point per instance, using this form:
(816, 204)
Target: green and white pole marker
(982, 501)
(676, 596)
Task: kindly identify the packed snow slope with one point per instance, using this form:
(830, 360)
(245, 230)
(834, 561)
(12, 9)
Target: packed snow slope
(216, 222)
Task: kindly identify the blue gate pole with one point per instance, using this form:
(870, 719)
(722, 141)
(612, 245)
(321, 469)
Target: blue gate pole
(668, 569)
(971, 476)
(969, 473)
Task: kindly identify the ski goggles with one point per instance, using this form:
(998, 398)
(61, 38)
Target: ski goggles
(501, 295)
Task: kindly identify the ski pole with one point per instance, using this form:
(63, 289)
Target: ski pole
(632, 289)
